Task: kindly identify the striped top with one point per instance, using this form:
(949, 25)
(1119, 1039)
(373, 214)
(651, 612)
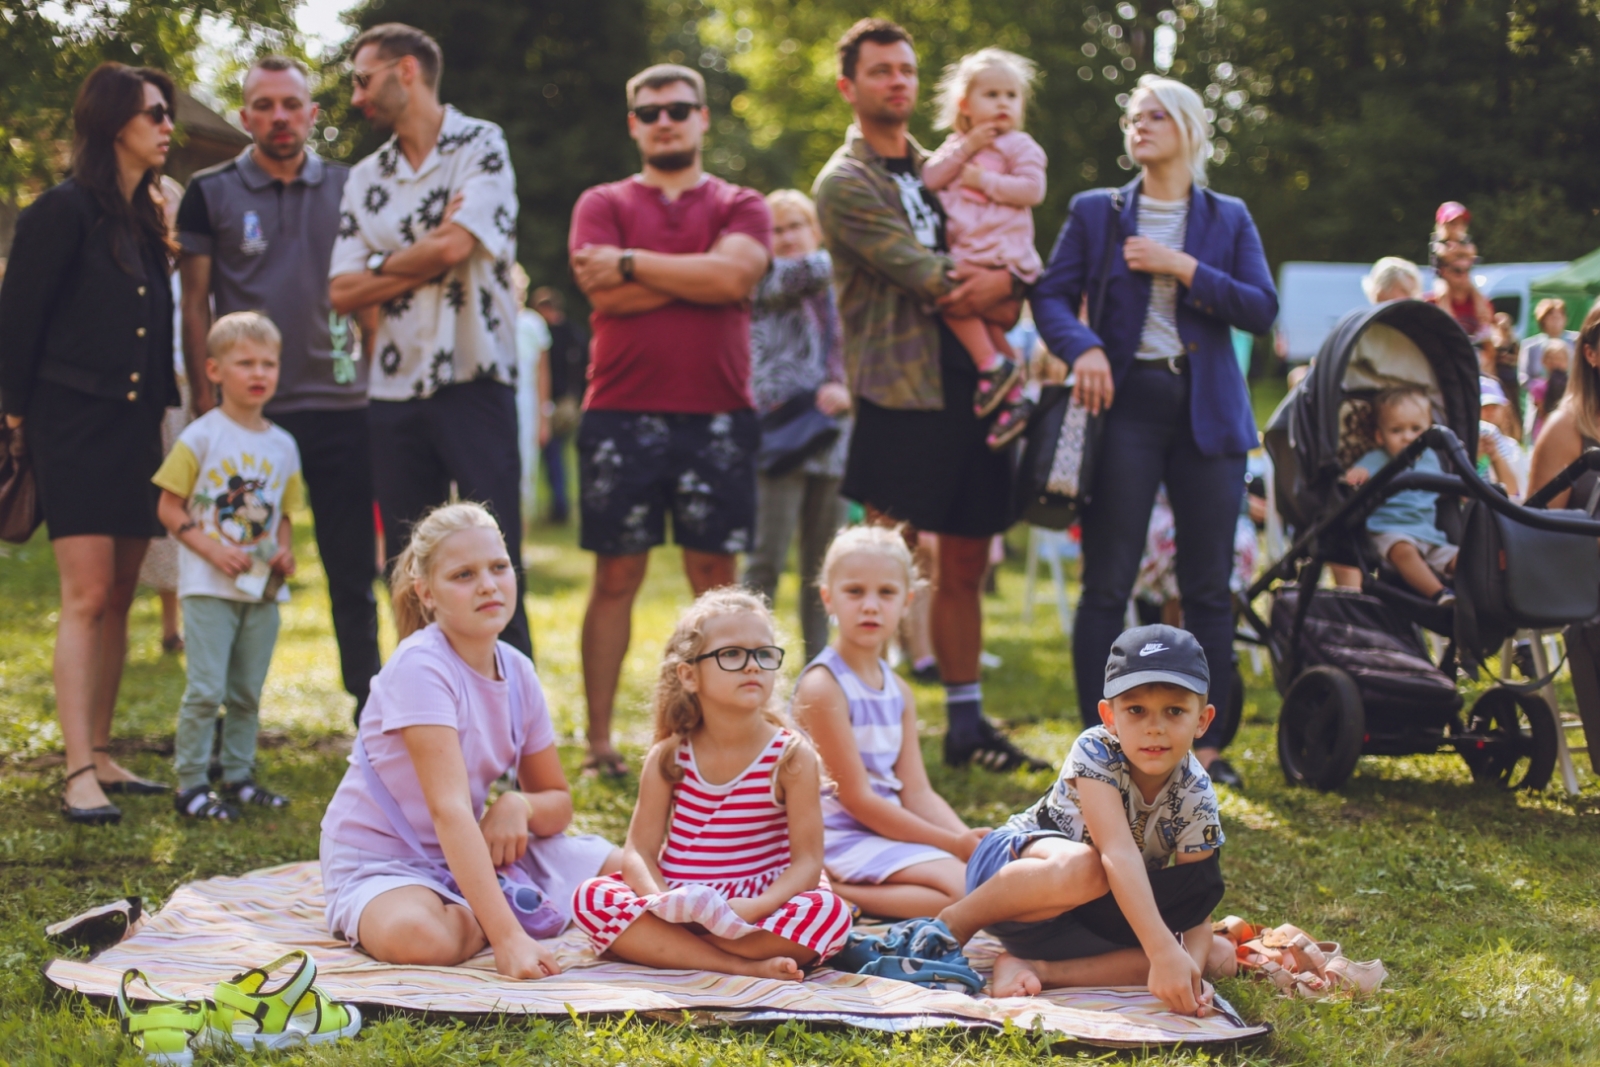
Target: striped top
(876, 716)
(733, 837)
(1164, 222)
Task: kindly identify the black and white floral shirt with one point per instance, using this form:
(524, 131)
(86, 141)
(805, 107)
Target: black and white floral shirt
(461, 325)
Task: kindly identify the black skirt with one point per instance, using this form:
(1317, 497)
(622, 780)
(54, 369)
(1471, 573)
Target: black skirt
(94, 459)
(933, 469)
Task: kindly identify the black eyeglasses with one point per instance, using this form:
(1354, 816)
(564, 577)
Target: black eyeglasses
(159, 114)
(677, 112)
(734, 658)
(363, 78)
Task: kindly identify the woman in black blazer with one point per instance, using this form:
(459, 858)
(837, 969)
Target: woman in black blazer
(86, 369)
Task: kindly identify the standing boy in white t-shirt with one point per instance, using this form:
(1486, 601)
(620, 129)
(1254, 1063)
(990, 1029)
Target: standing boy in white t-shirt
(228, 488)
(1078, 888)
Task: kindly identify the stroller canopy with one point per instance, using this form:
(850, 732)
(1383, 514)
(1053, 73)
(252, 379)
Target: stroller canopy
(1325, 423)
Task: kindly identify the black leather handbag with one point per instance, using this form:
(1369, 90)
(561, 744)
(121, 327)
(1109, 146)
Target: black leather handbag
(1061, 449)
(792, 433)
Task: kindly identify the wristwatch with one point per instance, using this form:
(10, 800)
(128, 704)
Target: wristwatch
(625, 264)
(376, 261)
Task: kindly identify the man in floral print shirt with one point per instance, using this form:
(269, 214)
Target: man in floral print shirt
(427, 240)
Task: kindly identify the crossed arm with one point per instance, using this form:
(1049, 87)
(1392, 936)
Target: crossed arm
(727, 274)
(446, 247)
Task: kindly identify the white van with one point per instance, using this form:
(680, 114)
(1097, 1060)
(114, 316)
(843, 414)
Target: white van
(1313, 297)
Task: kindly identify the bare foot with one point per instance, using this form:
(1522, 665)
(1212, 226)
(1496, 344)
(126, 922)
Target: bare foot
(782, 968)
(1221, 960)
(84, 792)
(1013, 978)
(605, 761)
(109, 770)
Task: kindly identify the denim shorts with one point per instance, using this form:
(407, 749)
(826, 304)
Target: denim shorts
(635, 468)
(1185, 896)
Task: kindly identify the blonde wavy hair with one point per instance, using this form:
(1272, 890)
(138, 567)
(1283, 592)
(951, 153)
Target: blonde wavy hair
(1188, 111)
(677, 711)
(959, 76)
(416, 562)
(881, 540)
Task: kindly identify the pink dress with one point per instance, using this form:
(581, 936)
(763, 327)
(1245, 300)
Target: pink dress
(992, 226)
(723, 841)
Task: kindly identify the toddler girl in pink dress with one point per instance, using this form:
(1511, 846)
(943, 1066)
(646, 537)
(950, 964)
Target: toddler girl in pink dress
(989, 174)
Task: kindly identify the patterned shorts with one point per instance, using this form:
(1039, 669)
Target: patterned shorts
(604, 907)
(634, 468)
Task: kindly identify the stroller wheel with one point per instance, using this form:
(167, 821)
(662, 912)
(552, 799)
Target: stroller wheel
(1320, 729)
(1510, 740)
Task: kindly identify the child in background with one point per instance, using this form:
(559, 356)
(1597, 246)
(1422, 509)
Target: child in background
(228, 488)
(1078, 888)
(418, 867)
(723, 866)
(1546, 391)
(1404, 529)
(988, 174)
(1500, 458)
(893, 846)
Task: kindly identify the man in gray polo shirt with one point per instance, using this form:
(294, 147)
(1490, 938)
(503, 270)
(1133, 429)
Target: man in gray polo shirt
(257, 233)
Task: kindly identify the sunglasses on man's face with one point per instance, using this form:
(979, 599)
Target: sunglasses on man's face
(361, 79)
(159, 114)
(677, 112)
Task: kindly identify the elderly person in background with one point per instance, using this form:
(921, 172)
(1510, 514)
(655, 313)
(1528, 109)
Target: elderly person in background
(1392, 278)
(796, 349)
(86, 366)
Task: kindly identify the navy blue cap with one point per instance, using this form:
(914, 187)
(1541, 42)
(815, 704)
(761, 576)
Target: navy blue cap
(1156, 654)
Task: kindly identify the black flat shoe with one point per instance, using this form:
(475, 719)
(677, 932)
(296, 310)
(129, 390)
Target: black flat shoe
(104, 815)
(1222, 773)
(138, 787)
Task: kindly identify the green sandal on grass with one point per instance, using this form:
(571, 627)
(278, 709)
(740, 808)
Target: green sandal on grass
(168, 1031)
(296, 1013)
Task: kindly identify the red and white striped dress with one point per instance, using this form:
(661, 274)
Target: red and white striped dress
(723, 841)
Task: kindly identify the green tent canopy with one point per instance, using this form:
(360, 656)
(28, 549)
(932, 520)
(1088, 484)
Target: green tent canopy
(1578, 283)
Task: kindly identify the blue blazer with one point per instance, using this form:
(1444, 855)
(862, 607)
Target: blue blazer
(1232, 287)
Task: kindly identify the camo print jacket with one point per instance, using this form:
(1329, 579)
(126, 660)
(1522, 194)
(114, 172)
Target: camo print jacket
(887, 281)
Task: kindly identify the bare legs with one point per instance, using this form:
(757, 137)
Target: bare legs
(171, 621)
(1014, 977)
(957, 612)
(1414, 569)
(654, 942)
(98, 578)
(608, 627)
(921, 889)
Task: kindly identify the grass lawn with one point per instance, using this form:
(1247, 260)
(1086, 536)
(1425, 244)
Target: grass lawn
(1483, 905)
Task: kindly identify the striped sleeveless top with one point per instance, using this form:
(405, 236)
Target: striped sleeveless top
(733, 837)
(876, 718)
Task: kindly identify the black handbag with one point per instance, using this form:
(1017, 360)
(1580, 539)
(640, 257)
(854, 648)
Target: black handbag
(792, 433)
(21, 511)
(1061, 450)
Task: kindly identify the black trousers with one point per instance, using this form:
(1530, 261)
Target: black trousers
(336, 462)
(466, 434)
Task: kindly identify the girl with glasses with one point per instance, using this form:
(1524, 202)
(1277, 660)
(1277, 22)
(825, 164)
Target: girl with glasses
(894, 846)
(722, 870)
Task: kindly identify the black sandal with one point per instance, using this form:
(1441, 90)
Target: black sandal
(249, 792)
(135, 786)
(104, 815)
(201, 803)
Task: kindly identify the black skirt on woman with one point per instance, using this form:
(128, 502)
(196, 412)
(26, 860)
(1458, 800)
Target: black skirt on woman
(93, 459)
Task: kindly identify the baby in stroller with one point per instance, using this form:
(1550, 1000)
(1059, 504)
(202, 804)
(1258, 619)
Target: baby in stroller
(1404, 528)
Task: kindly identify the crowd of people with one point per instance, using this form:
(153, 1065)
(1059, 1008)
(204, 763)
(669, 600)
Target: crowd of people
(349, 342)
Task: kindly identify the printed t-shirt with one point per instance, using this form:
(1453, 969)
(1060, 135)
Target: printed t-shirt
(683, 358)
(924, 212)
(459, 326)
(425, 683)
(239, 484)
(1413, 512)
(1182, 818)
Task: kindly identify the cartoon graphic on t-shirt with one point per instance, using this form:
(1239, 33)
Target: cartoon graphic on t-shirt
(243, 515)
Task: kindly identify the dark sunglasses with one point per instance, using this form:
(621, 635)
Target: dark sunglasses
(159, 113)
(734, 658)
(363, 78)
(677, 112)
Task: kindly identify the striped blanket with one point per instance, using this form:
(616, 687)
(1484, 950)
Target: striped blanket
(212, 929)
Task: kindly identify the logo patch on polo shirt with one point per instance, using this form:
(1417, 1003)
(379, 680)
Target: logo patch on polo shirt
(253, 244)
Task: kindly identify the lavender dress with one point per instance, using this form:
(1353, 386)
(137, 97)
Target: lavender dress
(851, 852)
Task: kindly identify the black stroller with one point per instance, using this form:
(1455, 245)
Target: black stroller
(1355, 670)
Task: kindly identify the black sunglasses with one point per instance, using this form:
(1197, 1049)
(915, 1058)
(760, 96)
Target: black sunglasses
(677, 112)
(734, 658)
(159, 113)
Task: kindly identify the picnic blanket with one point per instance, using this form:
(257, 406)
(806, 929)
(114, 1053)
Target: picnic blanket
(210, 930)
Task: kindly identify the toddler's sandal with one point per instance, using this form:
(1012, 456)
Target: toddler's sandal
(296, 1013)
(168, 1031)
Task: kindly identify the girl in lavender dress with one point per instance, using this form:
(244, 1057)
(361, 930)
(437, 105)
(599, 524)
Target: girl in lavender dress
(892, 846)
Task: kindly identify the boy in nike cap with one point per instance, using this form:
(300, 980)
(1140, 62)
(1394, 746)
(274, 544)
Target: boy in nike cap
(1078, 888)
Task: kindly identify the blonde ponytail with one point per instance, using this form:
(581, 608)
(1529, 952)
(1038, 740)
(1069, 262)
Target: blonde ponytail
(415, 563)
